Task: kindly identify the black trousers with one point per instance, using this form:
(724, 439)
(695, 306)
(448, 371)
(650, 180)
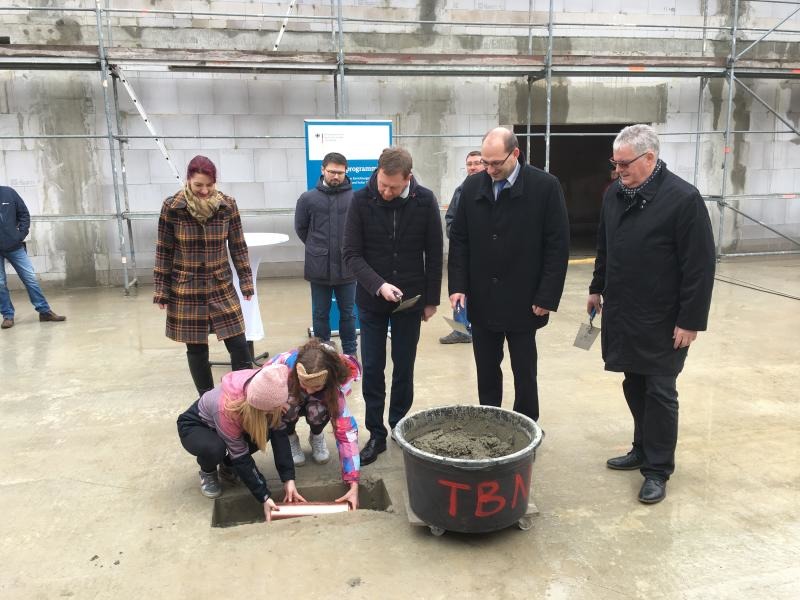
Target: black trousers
(199, 367)
(653, 402)
(405, 337)
(199, 440)
(487, 346)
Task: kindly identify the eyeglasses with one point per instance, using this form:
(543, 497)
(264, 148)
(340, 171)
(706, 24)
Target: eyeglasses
(330, 172)
(496, 164)
(624, 164)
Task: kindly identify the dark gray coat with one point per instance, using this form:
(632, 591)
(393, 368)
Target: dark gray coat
(319, 222)
(655, 270)
(509, 255)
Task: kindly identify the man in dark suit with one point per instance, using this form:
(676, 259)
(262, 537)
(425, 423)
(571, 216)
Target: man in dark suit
(509, 247)
(653, 277)
(393, 246)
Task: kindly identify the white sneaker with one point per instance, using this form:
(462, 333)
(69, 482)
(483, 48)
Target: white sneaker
(298, 457)
(319, 449)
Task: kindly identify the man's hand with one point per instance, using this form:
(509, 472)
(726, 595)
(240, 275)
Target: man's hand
(428, 312)
(594, 301)
(290, 493)
(683, 337)
(269, 506)
(162, 306)
(539, 311)
(351, 496)
(247, 298)
(390, 293)
(456, 298)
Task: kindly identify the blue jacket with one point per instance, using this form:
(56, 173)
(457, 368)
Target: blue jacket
(15, 220)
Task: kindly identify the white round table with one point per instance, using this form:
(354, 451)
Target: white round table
(257, 248)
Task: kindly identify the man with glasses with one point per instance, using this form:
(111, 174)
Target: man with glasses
(509, 247)
(653, 277)
(474, 165)
(319, 220)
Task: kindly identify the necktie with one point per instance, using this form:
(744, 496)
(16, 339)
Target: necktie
(498, 186)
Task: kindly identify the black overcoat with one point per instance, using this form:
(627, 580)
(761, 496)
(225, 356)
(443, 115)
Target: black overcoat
(399, 242)
(509, 255)
(655, 270)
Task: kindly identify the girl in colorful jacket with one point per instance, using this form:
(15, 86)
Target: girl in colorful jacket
(319, 380)
(234, 420)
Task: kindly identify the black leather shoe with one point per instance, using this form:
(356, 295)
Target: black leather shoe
(629, 462)
(653, 490)
(370, 452)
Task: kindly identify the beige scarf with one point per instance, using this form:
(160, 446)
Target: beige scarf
(201, 209)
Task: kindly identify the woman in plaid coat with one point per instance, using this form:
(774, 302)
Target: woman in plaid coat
(192, 275)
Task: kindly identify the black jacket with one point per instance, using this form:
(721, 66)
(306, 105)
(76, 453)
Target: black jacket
(15, 220)
(452, 209)
(655, 270)
(509, 255)
(319, 223)
(399, 242)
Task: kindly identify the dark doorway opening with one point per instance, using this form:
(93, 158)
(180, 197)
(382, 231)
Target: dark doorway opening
(580, 161)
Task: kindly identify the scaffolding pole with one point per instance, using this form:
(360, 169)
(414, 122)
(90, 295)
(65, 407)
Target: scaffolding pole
(121, 147)
(726, 150)
(549, 84)
(112, 154)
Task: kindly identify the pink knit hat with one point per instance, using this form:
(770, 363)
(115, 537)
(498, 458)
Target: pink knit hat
(269, 388)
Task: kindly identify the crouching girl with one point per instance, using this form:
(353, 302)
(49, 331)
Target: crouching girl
(319, 381)
(232, 421)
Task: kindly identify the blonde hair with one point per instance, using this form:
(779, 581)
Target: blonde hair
(254, 421)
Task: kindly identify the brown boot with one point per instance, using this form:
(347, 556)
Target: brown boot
(7, 323)
(51, 316)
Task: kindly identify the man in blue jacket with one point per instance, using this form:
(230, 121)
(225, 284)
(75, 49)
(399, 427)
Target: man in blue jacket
(15, 222)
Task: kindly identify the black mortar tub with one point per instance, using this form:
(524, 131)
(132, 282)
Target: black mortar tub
(469, 495)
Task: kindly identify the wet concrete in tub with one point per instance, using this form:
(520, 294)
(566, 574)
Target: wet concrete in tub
(473, 439)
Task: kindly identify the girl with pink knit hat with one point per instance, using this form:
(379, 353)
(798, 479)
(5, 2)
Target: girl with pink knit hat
(231, 422)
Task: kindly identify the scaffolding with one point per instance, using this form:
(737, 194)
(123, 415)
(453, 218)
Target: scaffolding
(338, 64)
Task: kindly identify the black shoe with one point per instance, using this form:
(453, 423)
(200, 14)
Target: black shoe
(653, 490)
(370, 452)
(629, 462)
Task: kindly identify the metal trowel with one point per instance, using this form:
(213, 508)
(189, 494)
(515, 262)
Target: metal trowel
(406, 304)
(587, 333)
(459, 324)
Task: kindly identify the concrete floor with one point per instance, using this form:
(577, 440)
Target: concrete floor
(99, 499)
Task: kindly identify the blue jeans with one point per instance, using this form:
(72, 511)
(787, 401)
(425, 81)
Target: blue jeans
(405, 337)
(21, 262)
(321, 296)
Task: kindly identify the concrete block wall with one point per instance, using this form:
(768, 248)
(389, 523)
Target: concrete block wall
(74, 176)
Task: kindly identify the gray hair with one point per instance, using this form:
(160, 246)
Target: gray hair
(642, 138)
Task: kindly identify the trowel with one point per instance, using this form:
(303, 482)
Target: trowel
(587, 333)
(459, 324)
(406, 304)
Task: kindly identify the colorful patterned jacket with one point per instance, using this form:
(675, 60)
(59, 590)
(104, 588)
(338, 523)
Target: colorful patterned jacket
(345, 428)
